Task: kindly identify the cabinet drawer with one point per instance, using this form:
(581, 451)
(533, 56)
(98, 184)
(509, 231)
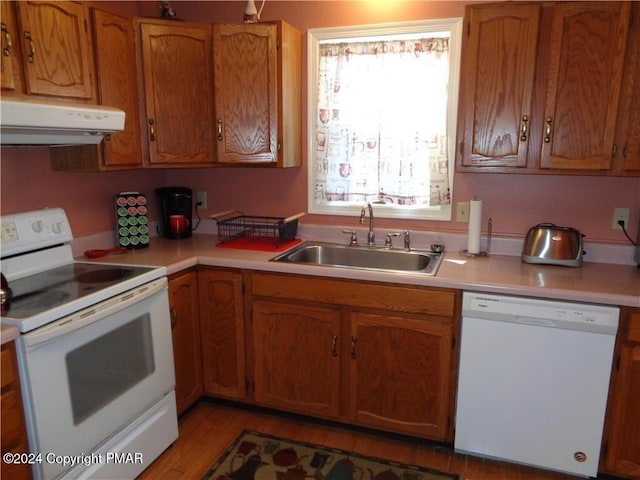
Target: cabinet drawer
(633, 331)
(429, 301)
(11, 424)
(7, 365)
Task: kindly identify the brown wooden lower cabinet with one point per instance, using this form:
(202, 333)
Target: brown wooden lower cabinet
(371, 354)
(400, 373)
(12, 431)
(222, 332)
(621, 452)
(296, 360)
(185, 331)
(366, 353)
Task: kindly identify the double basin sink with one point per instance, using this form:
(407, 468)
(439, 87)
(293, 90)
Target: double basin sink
(361, 257)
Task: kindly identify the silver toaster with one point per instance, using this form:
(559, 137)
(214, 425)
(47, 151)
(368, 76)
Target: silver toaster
(550, 244)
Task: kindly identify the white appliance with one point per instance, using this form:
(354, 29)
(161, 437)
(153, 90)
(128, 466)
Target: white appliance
(533, 380)
(28, 121)
(95, 353)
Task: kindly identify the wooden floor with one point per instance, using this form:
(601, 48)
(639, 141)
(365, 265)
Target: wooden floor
(208, 428)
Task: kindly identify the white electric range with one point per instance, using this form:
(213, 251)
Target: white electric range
(95, 353)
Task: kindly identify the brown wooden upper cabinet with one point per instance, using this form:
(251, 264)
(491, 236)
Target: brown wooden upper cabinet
(257, 94)
(56, 48)
(627, 156)
(585, 66)
(10, 63)
(117, 87)
(541, 88)
(177, 88)
(499, 60)
(114, 44)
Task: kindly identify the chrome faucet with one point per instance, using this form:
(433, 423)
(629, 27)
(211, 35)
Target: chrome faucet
(370, 236)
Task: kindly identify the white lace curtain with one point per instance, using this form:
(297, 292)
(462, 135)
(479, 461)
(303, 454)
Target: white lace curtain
(381, 122)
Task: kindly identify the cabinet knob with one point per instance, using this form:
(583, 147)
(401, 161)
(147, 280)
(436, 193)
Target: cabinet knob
(334, 346)
(31, 47)
(354, 341)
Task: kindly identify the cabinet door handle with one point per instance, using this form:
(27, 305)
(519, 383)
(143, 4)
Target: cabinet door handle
(174, 317)
(354, 341)
(7, 44)
(152, 130)
(334, 346)
(547, 129)
(32, 47)
(220, 129)
(524, 128)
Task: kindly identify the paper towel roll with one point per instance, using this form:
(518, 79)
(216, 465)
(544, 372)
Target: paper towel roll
(475, 226)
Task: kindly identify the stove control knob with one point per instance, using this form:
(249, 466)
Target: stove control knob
(37, 226)
(57, 228)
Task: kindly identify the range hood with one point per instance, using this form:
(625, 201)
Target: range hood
(27, 121)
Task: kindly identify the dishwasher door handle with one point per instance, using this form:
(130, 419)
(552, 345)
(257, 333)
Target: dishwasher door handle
(541, 322)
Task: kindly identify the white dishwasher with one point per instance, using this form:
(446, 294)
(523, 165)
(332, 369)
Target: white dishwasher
(533, 380)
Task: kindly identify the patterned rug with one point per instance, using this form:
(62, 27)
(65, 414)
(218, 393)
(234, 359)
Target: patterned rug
(258, 456)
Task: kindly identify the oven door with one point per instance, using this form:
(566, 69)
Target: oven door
(88, 375)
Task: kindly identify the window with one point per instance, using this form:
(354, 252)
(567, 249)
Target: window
(382, 118)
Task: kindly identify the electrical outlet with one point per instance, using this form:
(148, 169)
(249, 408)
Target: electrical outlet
(462, 212)
(618, 215)
(201, 198)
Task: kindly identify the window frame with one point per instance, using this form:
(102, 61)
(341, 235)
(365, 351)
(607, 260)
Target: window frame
(362, 32)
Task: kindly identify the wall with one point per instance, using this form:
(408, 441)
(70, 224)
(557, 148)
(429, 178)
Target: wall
(514, 202)
(28, 183)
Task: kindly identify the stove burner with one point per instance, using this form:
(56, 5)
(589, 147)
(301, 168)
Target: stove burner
(101, 276)
(33, 302)
(35, 294)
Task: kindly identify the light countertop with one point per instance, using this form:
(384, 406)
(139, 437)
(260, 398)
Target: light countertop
(593, 282)
(8, 334)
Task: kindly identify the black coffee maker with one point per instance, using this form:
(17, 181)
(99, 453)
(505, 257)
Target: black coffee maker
(174, 212)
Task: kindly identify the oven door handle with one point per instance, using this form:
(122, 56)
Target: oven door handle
(90, 315)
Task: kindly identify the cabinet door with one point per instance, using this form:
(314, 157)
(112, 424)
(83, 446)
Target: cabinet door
(400, 373)
(183, 300)
(118, 87)
(13, 435)
(222, 333)
(297, 357)
(622, 455)
(246, 102)
(10, 61)
(628, 128)
(114, 42)
(586, 56)
(178, 83)
(56, 48)
(499, 59)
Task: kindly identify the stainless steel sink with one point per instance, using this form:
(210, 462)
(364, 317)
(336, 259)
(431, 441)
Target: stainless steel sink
(370, 258)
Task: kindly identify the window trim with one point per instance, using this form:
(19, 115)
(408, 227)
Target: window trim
(314, 36)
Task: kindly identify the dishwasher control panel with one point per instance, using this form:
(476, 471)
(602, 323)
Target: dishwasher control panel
(549, 313)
